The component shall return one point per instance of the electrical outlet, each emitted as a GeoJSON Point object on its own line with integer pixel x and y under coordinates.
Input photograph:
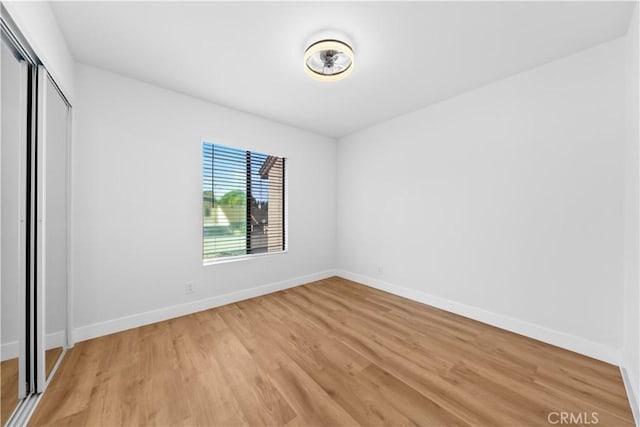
{"type": "Point", "coordinates": [380, 269]}
{"type": "Point", "coordinates": [189, 288]}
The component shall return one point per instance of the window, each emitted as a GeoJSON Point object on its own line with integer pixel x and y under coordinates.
{"type": "Point", "coordinates": [243, 209]}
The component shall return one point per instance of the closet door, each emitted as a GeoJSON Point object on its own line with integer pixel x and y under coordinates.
{"type": "Point", "coordinates": [53, 227]}
{"type": "Point", "coordinates": [13, 91]}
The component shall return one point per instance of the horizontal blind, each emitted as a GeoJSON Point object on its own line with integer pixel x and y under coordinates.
{"type": "Point", "coordinates": [243, 202]}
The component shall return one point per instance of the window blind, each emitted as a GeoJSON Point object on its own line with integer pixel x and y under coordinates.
{"type": "Point", "coordinates": [243, 199]}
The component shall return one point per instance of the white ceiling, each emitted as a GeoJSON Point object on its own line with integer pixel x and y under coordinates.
{"type": "Point", "coordinates": [248, 56]}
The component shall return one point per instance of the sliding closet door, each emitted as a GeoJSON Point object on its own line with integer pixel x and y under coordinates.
{"type": "Point", "coordinates": [53, 201]}
{"type": "Point", "coordinates": [13, 90]}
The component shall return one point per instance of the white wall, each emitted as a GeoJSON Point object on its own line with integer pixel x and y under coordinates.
{"type": "Point", "coordinates": [36, 21]}
{"type": "Point", "coordinates": [631, 340]}
{"type": "Point", "coordinates": [505, 203]}
{"type": "Point", "coordinates": [137, 202]}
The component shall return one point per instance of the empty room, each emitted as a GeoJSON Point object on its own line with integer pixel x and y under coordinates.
{"type": "Point", "coordinates": [320, 213]}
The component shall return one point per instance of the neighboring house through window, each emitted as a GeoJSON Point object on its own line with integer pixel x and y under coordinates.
{"type": "Point", "coordinates": [243, 196]}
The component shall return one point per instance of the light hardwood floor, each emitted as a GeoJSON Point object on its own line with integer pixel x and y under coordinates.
{"type": "Point", "coordinates": [51, 357]}
{"type": "Point", "coordinates": [9, 381]}
{"type": "Point", "coordinates": [9, 389]}
{"type": "Point", "coordinates": [331, 352]}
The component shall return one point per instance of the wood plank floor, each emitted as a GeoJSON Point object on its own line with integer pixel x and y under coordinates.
{"type": "Point", "coordinates": [51, 357]}
{"type": "Point", "coordinates": [9, 381]}
{"type": "Point", "coordinates": [8, 389]}
{"type": "Point", "coordinates": [331, 353]}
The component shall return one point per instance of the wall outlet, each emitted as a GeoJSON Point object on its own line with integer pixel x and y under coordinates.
{"type": "Point", "coordinates": [189, 288]}
{"type": "Point", "coordinates": [380, 269]}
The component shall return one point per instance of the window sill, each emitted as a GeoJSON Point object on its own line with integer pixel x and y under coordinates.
{"type": "Point", "coordinates": [237, 258]}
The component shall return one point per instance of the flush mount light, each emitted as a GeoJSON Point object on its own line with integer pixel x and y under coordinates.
{"type": "Point", "coordinates": [328, 60]}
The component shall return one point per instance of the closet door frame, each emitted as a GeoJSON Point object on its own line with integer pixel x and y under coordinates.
{"type": "Point", "coordinates": [43, 80]}
{"type": "Point", "coordinates": [41, 233]}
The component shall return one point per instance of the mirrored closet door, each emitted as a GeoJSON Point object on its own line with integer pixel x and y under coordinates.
{"type": "Point", "coordinates": [14, 93]}
{"type": "Point", "coordinates": [34, 225]}
{"type": "Point", "coordinates": [52, 223]}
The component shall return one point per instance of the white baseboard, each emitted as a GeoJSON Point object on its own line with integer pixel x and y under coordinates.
{"type": "Point", "coordinates": [11, 349]}
{"type": "Point", "coordinates": [561, 339]}
{"type": "Point", "coordinates": [133, 321]}
{"type": "Point", "coordinates": [632, 394]}
{"type": "Point", "coordinates": [57, 339]}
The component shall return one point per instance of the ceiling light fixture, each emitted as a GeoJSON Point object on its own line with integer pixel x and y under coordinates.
{"type": "Point", "coordinates": [328, 60]}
